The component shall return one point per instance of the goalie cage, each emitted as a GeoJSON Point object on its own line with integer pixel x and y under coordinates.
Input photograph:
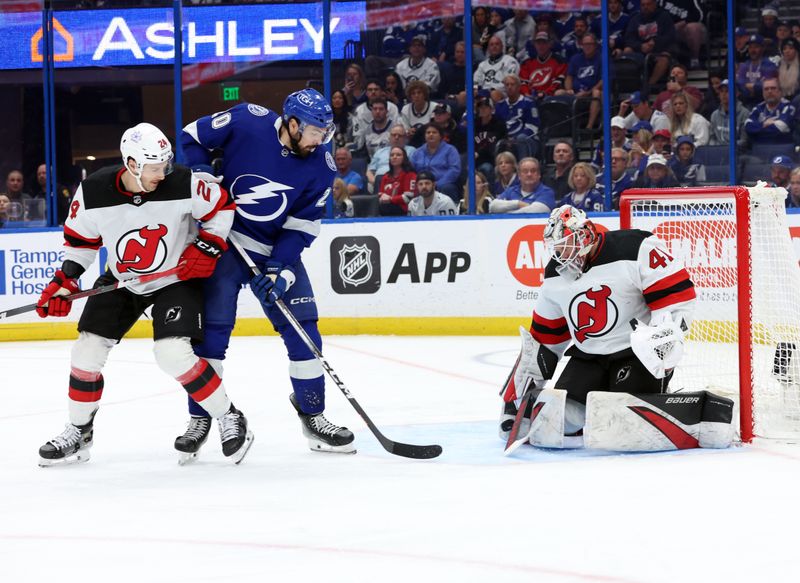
{"type": "Point", "coordinates": [744, 342]}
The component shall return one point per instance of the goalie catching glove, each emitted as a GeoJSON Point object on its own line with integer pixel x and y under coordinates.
{"type": "Point", "coordinates": [200, 258]}
{"type": "Point", "coordinates": [275, 281]}
{"type": "Point", "coordinates": [52, 302]}
{"type": "Point", "coordinates": [659, 345]}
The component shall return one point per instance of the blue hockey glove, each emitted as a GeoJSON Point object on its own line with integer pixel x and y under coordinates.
{"type": "Point", "coordinates": [270, 285]}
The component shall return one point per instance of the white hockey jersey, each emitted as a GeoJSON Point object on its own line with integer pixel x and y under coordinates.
{"type": "Point", "coordinates": [631, 275]}
{"type": "Point", "coordinates": [143, 232]}
{"type": "Point", "coordinates": [426, 71]}
{"type": "Point", "coordinates": [441, 205]}
{"type": "Point", "coordinates": [362, 117]}
{"type": "Point", "coordinates": [491, 72]}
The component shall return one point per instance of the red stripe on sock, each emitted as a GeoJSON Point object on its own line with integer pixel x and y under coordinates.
{"type": "Point", "coordinates": [85, 397]}
{"type": "Point", "coordinates": [208, 389]}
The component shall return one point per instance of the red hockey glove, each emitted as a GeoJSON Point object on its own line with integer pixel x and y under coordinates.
{"type": "Point", "coordinates": [200, 258]}
{"type": "Point", "coordinates": [52, 302]}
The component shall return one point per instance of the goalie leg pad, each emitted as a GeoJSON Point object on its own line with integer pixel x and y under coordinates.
{"type": "Point", "coordinates": [657, 422]}
{"type": "Point", "coordinates": [547, 419]}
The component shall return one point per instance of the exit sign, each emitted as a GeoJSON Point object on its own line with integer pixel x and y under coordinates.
{"type": "Point", "coordinates": [230, 93]}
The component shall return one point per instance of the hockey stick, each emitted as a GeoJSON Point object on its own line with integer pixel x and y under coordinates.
{"type": "Point", "coordinates": [514, 441]}
{"type": "Point", "coordinates": [394, 447]}
{"type": "Point", "coordinates": [96, 290]}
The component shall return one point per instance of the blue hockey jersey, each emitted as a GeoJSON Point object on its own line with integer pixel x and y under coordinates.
{"type": "Point", "coordinates": [280, 196]}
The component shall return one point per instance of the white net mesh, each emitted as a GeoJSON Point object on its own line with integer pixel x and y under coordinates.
{"type": "Point", "coordinates": [702, 231]}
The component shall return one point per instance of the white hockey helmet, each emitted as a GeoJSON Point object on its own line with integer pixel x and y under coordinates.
{"type": "Point", "coordinates": [146, 144]}
{"type": "Point", "coordinates": [569, 237]}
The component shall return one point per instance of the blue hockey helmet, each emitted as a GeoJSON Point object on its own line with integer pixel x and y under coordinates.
{"type": "Point", "coordinates": [310, 108]}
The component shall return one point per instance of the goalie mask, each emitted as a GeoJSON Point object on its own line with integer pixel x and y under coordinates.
{"type": "Point", "coordinates": [569, 237]}
{"type": "Point", "coordinates": [147, 145]}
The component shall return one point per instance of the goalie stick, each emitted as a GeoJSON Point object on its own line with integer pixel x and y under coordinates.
{"type": "Point", "coordinates": [96, 290]}
{"type": "Point", "coordinates": [514, 441]}
{"type": "Point", "coordinates": [393, 447]}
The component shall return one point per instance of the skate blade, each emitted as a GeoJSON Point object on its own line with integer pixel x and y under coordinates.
{"type": "Point", "coordinates": [242, 451]}
{"type": "Point", "coordinates": [77, 458]}
{"type": "Point", "coordinates": [322, 447]}
{"type": "Point", "coordinates": [184, 459]}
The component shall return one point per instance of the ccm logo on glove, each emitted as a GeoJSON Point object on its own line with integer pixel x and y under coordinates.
{"type": "Point", "coordinates": [200, 258]}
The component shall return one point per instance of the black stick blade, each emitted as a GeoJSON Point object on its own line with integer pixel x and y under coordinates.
{"type": "Point", "coordinates": [418, 452]}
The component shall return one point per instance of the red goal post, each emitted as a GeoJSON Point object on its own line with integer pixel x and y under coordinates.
{"type": "Point", "coordinates": [735, 244]}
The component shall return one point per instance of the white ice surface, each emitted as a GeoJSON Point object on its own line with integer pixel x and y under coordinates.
{"type": "Point", "coordinates": [131, 514]}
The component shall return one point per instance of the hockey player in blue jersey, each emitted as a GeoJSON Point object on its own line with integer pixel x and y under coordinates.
{"type": "Point", "coordinates": [280, 177]}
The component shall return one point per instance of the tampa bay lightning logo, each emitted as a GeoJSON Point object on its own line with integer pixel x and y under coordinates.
{"type": "Point", "coordinates": [258, 198]}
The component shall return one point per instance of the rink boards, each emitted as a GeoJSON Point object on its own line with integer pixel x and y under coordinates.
{"type": "Point", "coordinates": [430, 276]}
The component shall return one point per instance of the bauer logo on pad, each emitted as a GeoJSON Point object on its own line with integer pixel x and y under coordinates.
{"type": "Point", "coordinates": [355, 265]}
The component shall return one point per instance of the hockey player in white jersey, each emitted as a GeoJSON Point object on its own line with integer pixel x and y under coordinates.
{"type": "Point", "coordinates": [618, 304]}
{"type": "Point", "coordinates": [430, 201]}
{"type": "Point", "coordinates": [145, 213]}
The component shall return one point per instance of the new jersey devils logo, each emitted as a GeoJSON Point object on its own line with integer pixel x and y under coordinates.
{"type": "Point", "coordinates": [142, 250]}
{"type": "Point", "coordinates": [593, 313]}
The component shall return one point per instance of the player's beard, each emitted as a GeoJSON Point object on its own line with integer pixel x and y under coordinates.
{"type": "Point", "coordinates": [303, 152]}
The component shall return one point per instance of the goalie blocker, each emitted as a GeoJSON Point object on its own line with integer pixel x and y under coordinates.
{"type": "Point", "coordinates": [634, 422]}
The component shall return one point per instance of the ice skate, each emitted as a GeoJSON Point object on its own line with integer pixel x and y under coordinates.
{"type": "Point", "coordinates": [236, 438]}
{"type": "Point", "coordinates": [192, 440]}
{"type": "Point", "coordinates": [70, 447]}
{"type": "Point", "coordinates": [322, 434]}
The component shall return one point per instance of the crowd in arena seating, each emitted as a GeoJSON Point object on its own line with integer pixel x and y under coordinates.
{"type": "Point", "coordinates": [538, 132]}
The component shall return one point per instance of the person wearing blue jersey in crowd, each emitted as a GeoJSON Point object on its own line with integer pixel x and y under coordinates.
{"type": "Point", "coordinates": [280, 176]}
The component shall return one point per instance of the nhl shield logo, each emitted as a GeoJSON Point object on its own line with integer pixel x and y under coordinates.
{"type": "Point", "coordinates": [355, 265]}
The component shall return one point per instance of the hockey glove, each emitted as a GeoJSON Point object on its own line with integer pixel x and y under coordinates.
{"type": "Point", "coordinates": [52, 302]}
{"type": "Point", "coordinates": [200, 258]}
{"type": "Point", "coordinates": [659, 346]}
{"type": "Point", "coordinates": [270, 285]}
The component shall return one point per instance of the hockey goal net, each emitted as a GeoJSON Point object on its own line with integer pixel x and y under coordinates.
{"type": "Point", "coordinates": [744, 341]}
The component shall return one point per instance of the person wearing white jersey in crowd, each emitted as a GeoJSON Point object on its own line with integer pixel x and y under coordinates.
{"type": "Point", "coordinates": [430, 202]}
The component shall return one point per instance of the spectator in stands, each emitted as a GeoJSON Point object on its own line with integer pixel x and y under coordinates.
{"type": "Point", "coordinates": [637, 161]}
{"type": "Point", "coordinates": [362, 116]}
{"type": "Point", "coordinates": [621, 178]}
{"type": "Point", "coordinates": [517, 111]}
{"type": "Point", "coordinates": [342, 205]}
{"type": "Point", "coordinates": [451, 133]}
{"type": "Point", "coordinates": [497, 27]}
{"type": "Point", "coordinates": [751, 74]}
{"type": "Point", "coordinates": [711, 93]}
{"type": "Point", "coordinates": [678, 81]}
{"type": "Point", "coordinates": [519, 29]}
{"type": "Point", "coordinates": [796, 29]}
{"type": "Point", "coordinates": [557, 175]}
{"type": "Point", "coordinates": [656, 175]}
{"type": "Point", "coordinates": [398, 186]}
{"type": "Point", "coordinates": [685, 122]}
{"type": "Point", "coordinates": [617, 23]}
{"type": "Point", "coordinates": [376, 134]}
{"type": "Point", "coordinates": [640, 110]}
{"type": "Point", "coordinates": [793, 199]}
{"type": "Point", "coordinates": [445, 39]}
{"type": "Point", "coordinates": [741, 42]}
{"type": "Point", "coordinates": [379, 163]}
{"type": "Point", "coordinates": [417, 113]}
{"type": "Point", "coordinates": [573, 41]}
{"type": "Point", "coordinates": [351, 178]}
{"type": "Point", "coordinates": [584, 78]}
{"type": "Point", "coordinates": [15, 186]}
{"type": "Point", "coordinates": [783, 32]}
{"type": "Point", "coordinates": [662, 143]}
{"type": "Point", "coordinates": [480, 22]}
{"type": "Point", "coordinates": [341, 119]}
{"type": "Point", "coordinates": [651, 33]}
{"type": "Point", "coordinates": [768, 26]}
{"type": "Point", "coordinates": [355, 85]}
{"type": "Point", "coordinates": [719, 132]}
{"type": "Point", "coordinates": [619, 138]}
{"type": "Point", "coordinates": [780, 171]}
{"type": "Point", "coordinates": [63, 194]}
{"type": "Point", "coordinates": [489, 130]}
{"type": "Point", "coordinates": [429, 201]}
{"type": "Point", "coordinates": [489, 76]}
{"type": "Point", "coordinates": [688, 17]}
{"type": "Point", "coordinates": [483, 196]}
{"type": "Point", "coordinates": [418, 67]}
{"type": "Point", "coordinates": [441, 160]}
{"type": "Point", "coordinates": [543, 74]}
{"type": "Point", "coordinates": [393, 90]}
{"type": "Point", "coordinates": [5, 204]}
{"type": "Point", "coordinates": [683, 166]}
{"type": "Point", "coordinates": [563, 24]}
{"type": "Point", "coordinates": [529, 195]}
{"type": "Point", "coordinates": [454, 77]}
{"type": "Point", "coordinates": [771, 121]}
{"type": "Point", "coordinates": [789, 69]}
{"type": "Point", "coordinates": [505, 172]}
{"type": "Point", "coordinates": [584, 195]}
